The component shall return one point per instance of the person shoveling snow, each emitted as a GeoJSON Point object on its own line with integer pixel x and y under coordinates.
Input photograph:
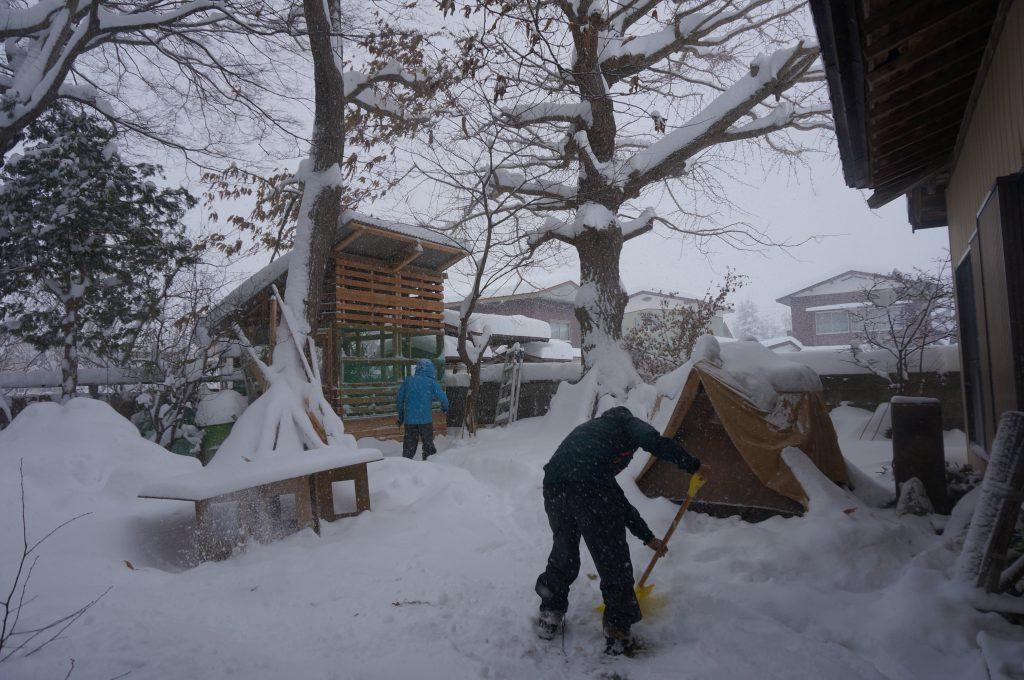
{"type": "Point", "coordinates": [582, 499]}
{"type": "Point", "coordinates": [414, 399]}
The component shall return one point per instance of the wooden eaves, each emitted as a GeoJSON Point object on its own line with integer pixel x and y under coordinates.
{"type": "Point", "coordinates": [903, 76]}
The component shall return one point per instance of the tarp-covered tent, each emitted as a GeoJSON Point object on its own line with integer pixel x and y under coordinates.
{"type": "Point", "coordinates": [737, 407]}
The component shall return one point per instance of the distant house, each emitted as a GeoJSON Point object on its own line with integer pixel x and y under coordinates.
{"type": "Point", "coordinates": [646, 302]}
{"type": "Point", "coordinates": [555, 304]}
{"type": "Point", "coordinates": [832, 311]}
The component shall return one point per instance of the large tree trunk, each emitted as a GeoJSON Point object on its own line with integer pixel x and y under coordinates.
{"type": "Point", "coordinates": [69, 362]}
{"type": "Point", "coordinates": [327, 149]}
{"type": "Point", "coordinates": [601, 301]}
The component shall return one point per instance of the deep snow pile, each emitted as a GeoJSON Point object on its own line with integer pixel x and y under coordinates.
{"type": "Point", "coordinates": [437, 581]}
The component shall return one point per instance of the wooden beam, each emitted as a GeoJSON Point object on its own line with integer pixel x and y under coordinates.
{"type": "Point", "coordinates": [356, 232]}
{"type": "Point", "coordinates": [408, 259]}
{"type": "Point", "coordinates": [940, 44]}
{"type": "Point", "coordinates": [921, 19]}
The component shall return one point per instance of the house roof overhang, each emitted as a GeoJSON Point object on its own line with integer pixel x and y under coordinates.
{"type": "Point", "coordinates": [903, 77]}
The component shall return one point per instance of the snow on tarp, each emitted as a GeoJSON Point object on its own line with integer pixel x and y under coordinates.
{"type": "Point", "coordinates": [552, 350]}
{"type": "Point", "coordinates": [236, 475]}
{"type": "Point", "coordinates": [512, 325]}
{"type": "Point", "coordinates": [529, 372]}
{"type": "Point", "coordinates": [217, 408]}
{"type": "Point", "coordinates": [751, 369]}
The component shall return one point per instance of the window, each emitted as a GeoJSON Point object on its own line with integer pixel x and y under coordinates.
{"type": "Point", "coordinates": [831, 322]}
{"type": "Point", "coordinates": [878, 319]}
{"type": "Point", "coordinates": [560, 330]}
{"type": "Point", "coordinates": [374, 361]}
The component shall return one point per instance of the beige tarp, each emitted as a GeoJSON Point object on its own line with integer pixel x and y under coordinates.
{"type": "Point", "coordinates": [742, 444]}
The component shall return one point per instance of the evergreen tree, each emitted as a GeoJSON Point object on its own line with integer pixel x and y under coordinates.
{"type": "Point", "coordinates": [89, 242]}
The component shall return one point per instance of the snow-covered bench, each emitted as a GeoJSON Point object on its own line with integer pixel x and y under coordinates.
{"type": "Point", "coordinates": [253, 483]}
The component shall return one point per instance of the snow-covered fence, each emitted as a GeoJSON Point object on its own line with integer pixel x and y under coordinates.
{"type": "Point", "coordinates": [982, 559]}
{"type": "Point", "coordinates": [539, 383]}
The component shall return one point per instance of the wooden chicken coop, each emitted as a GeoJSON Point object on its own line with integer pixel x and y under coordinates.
{"type": "Point", "coordinates": [381, 312]}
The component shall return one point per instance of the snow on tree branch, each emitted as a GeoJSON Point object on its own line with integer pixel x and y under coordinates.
{"type": "Point", "coordinates": [591, 216]}
{"type": "Point", "coordinates": [43, 41]}
{"type": "Point", "coordinates": [548, 112]}
{"type": "Point", "coordinates": [769, 74]}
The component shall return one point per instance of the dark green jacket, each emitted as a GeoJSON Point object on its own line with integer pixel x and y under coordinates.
{"type": "Point", "coordinates": [594, 452]}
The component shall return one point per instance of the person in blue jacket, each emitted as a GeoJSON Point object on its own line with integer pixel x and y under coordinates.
{"type": "Point", "coordinates": [414, 400]}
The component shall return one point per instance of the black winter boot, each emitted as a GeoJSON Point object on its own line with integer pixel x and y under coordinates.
{"type": "Point", "coordinates": [619, 642]}
{"type": "Point", "coordinates": [548, 624]}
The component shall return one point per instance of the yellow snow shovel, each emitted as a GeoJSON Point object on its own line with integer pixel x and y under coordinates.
{"type": "Point", "coordinates": [643, 591]}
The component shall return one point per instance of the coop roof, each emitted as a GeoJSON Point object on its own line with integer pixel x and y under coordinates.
{"type": "Point", "coordinates": [401, 245]}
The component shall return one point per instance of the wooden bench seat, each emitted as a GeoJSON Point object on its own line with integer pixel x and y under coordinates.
{"type": "Point", "coordinates": [257, 484]}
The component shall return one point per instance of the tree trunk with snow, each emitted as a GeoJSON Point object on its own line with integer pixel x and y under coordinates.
{"type": "Point", "coordinates": [601, 301]}
{"type": "Point", "coordinates": [69, 361]}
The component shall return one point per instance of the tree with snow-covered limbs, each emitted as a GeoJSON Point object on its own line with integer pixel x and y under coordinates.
{"type": "Point", "coordinates": [90, 242]}
{"type": "Point", "coordinates": [390, 89]}
{"type": "Point", "coordinates": [615, 101]}
{"type": "Point", "coordinates": [153, 67]}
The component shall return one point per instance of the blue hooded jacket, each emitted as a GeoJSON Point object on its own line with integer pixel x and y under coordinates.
{"type": "Point", "coordinates": [417, 392]}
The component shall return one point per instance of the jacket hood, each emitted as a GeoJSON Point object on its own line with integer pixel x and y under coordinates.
{"type": "Point", "coordinates": [425, 367]}
{"type": "Point", "coordinates": [617, 413]}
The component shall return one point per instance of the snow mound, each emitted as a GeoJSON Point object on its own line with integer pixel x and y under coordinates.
{"type": "Point", "coordinates": [217, 408]}
{"type": "Point", "coordinates": [76, 452]}
{"type": "Point", "coordinates": [748, 367]}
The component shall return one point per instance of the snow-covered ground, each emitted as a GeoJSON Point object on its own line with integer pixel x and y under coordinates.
{"type": "Point", "coordinates": [437, 581]}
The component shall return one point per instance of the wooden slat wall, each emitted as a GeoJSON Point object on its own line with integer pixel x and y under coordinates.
{"type": "Point", "coordinates": [993, 145]}
{"type": "Point", "coordinates": [368, 295]}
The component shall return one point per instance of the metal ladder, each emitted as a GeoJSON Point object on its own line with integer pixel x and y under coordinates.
{"type": "Point", "coordinates": [507, 410]}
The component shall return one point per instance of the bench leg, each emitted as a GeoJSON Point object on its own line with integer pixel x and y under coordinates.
{"type": "Point", "coordinates": [362, 483]}
{"type": "Point", "coordinates": [305, 508]}
{"type": "Point", "coordinates": [325, 496]}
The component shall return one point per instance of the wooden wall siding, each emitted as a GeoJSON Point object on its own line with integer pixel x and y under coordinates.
{"type": "Point", "coordinates": [371, 295]}
{"type": "Point", "coordinates": [994, 142]}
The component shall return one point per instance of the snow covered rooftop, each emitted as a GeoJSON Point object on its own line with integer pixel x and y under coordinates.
{"type": "Point", "coordinates": [506, 326]}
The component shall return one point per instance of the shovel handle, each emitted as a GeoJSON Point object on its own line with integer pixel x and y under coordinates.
{"type": "Point", "coordinates": [696, 481]}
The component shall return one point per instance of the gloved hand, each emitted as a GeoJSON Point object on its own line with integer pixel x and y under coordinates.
{"type": "Point", "coordinates": [658, 546]}
{"type": "Point", "coordinates": [399, 421]}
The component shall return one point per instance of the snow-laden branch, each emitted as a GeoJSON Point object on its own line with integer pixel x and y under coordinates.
{"type": "Point", "coordinates": [515, 183]}
{"type": "Point", "coordinates": [592, 216]}
{"type": "Point", "coordinates": [361, 88]}
{"type": "Point", "coordinates": [548, 112]}
{"type": "Point", "coordinates": [625, 56]}
{"type": "Point", "coordinates": [43, 41]}
{"type": "Point", "coordinates": [769, 74]}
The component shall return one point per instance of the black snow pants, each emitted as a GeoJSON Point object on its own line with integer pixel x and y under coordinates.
{"type": "Point", "coordinates": [594, 513]}
{"type": "Point", "coordinates": [414, 433]}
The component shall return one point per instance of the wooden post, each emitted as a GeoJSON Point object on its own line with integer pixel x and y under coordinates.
{"type": "Point", "coordinates": [362, 483]}
{"type": "Point", "coordinates": [917, 447]}
{"type": "Point", "coordinates": [272, 331]}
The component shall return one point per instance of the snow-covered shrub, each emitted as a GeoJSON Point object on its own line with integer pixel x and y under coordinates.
{"type": "Point", "coordinates": [662, 340]}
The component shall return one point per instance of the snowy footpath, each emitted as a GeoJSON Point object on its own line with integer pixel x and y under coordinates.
{"type": "Point", "coordinates": [437, 581]}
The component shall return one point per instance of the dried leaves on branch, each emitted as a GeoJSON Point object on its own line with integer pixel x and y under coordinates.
{"type": "Point", "coordinates": [663, 339]}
